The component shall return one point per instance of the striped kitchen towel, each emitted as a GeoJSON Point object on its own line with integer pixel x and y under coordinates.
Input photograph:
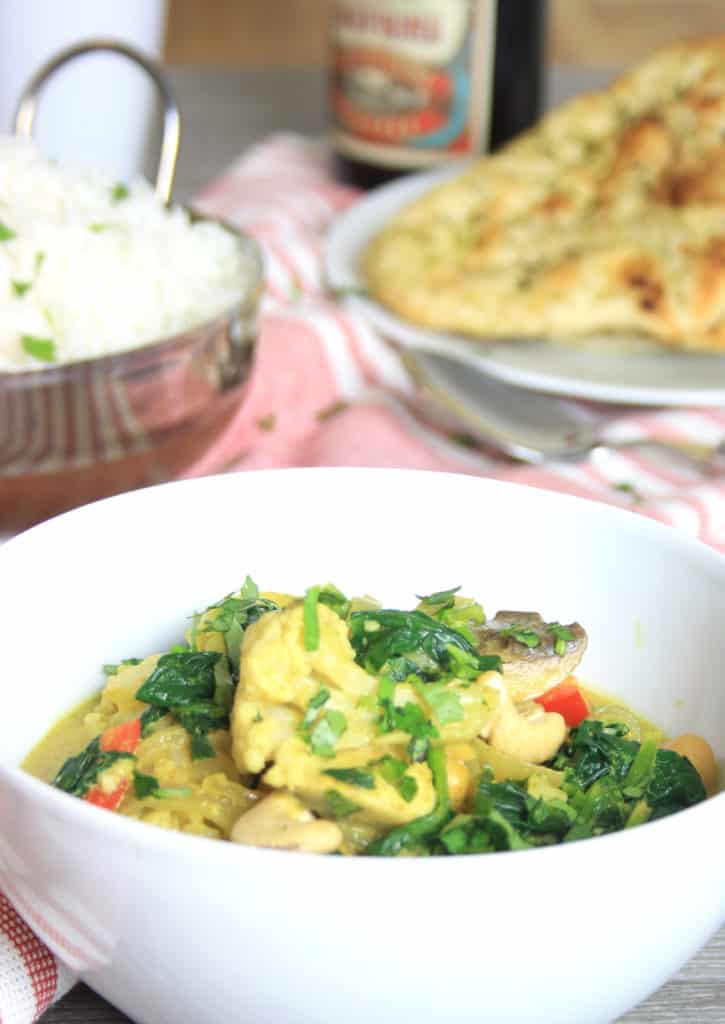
{"type": "Point", "coordinates": [325, 390]}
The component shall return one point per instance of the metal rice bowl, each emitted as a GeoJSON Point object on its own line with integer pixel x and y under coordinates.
{"type": "Point", "coordinates": [80, 431]}
{"type": "Point", "coordinates": [76, 432]}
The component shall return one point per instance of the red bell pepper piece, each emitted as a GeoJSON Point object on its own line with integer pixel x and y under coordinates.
{"type": "Point", "coordinates": [122, 738]}
{"type": "Point", "coordinates": [109, 801]}
{"type": "Point", "coordinates": [567, 699]}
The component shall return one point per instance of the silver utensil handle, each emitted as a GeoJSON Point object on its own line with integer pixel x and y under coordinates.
{"type": "Point", "coordinates": [28, 103]}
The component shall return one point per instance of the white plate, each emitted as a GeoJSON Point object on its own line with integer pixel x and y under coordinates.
{"type": "Point", "coordinates": [644, 374]}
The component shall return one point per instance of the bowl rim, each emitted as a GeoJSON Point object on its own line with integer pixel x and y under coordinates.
{"type": "Point", "coordinates": [140, 356]}
{"type": "Point", "coordinates": [143, 836]}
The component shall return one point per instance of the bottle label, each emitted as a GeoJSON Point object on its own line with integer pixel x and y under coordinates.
{"type": "Point", "coordinates": [412, 79]}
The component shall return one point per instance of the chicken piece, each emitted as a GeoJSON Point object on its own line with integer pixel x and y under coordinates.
{"type": "Point", "coordinates": [378, 803]}
{"type": "Point", "coordinates": [275, 726]}
{"type": "Point", "coordinates": [536, 655]}
{"type": "Point", "coordinates": [278, 678]}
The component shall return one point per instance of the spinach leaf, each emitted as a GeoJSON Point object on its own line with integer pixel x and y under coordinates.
{"type": "Point", "coordinates": [79, 773]}
{"type": "Point", "coordinates": [338, 805]}
{"type": "Point", "coordinates": [352, 776]}
{"type": "Point", "coordinates": [144, 785]}
{"type": "Point", "coordinates": [199, 719]}
{"type": "Point", "coordinates": [425, 646]}
{"type": "Point", "coordinates": [185, 684]}
{"type": "Point", "coordinates": [675, 784]}
{"type": "Point", "coordinates": [614, 783]}
{"type": "Point", "coordinates": [148, 717]}
{"type": "Point", "coordinates": [180, 679]}
{"type": "Point", "coordinates": [595, 749]}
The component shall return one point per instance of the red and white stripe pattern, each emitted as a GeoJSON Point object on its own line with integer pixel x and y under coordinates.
{"type": "Point", "coordinates": [325, 390]}
{"type": "Point", "coordinates": [30, 976]}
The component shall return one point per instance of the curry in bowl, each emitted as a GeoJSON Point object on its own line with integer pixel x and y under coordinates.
{"type": "Point", "coordinates": [333, 725]}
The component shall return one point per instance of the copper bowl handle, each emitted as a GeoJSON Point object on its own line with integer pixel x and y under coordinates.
{"type": "Point", "coordinates": [28, 104]}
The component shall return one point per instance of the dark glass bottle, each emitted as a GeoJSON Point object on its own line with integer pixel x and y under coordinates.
{"type": "Point", "coordinates": [417, 84]}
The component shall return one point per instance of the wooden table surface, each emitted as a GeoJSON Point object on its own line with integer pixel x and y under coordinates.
{"type": "Point", "coordinates": [224, 112]}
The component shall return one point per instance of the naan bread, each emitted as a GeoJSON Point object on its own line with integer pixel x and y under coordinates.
{"type": "Point", "coordinates": [607, 217]}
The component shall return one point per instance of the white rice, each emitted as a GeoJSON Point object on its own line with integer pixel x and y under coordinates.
{"type": "Point", "coordinates": [86, 274]}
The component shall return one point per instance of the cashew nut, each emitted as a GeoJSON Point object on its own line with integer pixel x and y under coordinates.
{"type": "Point", "coordinates": [281, 822]}
{"type": "Point", "coordinates": [534, 738]}
{"type": "Point", "coordinates": [700, 755]}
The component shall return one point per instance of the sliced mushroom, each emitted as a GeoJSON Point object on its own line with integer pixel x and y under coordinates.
{"type": "Point", "coordinates": [536, 655]}
{"type": "Point", "coordinates": [279, 821]}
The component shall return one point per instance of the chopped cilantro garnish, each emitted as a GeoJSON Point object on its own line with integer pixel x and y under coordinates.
{"type": "Point", "coordinates": [444, 703]}
{"type": "Point", "coordinates": [148, 785]}
{"type": "Point", "coordinates": [561, 637]}
{"type": "Point", "coordinates": [411, 719]}
{"type": "Point", "coordinates": [6, 233]}
{"type": "Point", "coordinates": [119, 192]}
{"type": "Point", "coordinates": [310, 619]}
{"type": "Point", "coordinates": [313, 706]}
{"type": "Point", "coordinates": [326, 732]}
{"type": "Point", "coordinates": [521, 635]}
{"type": "Point", "coordinates": [21, 287]}
{"type": "Point", "coordinates": [408, 788]}
{"type": "Point", "coordinates": [420, 831]}
{"type": "Point", "coordinates": [339, 806]}
{"type": "Point", "coordinates": [39, 348]}
{"type": "Point", "coordinates": [391, 768]}
{"type": "Point", "coordinates": [444, 597]}
{"type": "Point", "coordinates": [393, 771]}
{"type": "Point", "coordinates": [111, 670]}
{"type": "Point", "coordinates": [335, 600]}
{"type": "Point", "coordinates": [322, 731]}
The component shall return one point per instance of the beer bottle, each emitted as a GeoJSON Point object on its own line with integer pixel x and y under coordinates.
{"type": "Point", "coordinates": [416, 83]}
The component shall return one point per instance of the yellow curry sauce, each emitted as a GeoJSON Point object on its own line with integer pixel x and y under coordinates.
{"type": "Point", "coordinates": [363, 729]}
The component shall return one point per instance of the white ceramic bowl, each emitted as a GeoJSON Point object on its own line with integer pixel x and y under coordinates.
{"type": "Point", "coordinates": [173, 928]}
